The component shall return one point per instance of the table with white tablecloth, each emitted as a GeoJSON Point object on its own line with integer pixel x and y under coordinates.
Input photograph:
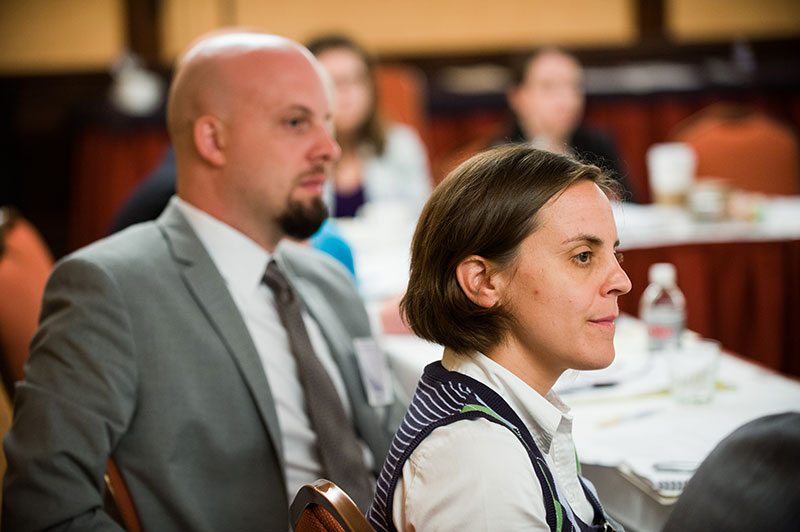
{"type": "Point", "coordinates": [626, 421]}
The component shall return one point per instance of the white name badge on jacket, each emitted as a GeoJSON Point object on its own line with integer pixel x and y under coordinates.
{"type": "Point", "coordinates": [375, 373]}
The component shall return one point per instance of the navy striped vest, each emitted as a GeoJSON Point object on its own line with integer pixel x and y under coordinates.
{"type": "Point", "coordinates": [443, 397]}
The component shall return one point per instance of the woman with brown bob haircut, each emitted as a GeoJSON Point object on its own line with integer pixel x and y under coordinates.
{"type": "Point", "coordinates": [514, 270]}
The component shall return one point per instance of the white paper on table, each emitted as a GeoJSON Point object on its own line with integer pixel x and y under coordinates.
{"type": "Point", "coordinates": [613, 426]}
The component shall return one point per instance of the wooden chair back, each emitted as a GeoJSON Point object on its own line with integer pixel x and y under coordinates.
{"type": "Point", "coordinates": [324, 507]}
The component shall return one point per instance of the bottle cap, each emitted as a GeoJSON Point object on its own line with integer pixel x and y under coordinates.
{"type": "Point", "coordinates": [662, 273]}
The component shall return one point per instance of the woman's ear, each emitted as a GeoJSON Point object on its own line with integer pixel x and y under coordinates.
{"type": "Point", "coordinates": [209, 139]}
{"type": "Point", "coordinates": [513, 96]}
{"type": "Point", "coordinates": [479, 281]}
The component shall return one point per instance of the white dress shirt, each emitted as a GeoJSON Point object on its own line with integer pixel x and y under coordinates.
{"type": "Point", "coordinates": [242, 264]}
{"type": "Point", "coordinates": [476, 475]}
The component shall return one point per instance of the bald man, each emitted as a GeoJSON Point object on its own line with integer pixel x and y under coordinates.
{"type": "Point", "coordinates": [161, 346]}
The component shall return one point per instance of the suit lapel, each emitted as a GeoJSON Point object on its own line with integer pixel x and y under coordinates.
{"type": "Point", "coordinates": [208, 288]}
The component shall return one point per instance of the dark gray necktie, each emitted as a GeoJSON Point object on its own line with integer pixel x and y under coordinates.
{"type": "Point", "coordinates": [339, 450]}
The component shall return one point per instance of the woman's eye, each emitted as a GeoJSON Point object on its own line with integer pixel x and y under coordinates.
{"type": "Point", "coordinates": [583, 258]}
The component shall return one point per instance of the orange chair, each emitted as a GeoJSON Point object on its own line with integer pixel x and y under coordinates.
{"type": "Point", "coordinates": [324, 507]}
{"type": "Point", "coordinates": [402, 95]}
{"type": "Point", "coordinates": [750, 149]}
{"type": "Point", "coordinates": [25, 264]}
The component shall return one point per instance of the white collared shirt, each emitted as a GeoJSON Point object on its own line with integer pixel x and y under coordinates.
{"type": "Point", "coordinates": [477, 475]}
{"type": "Point", "coordinates": [242, 264]}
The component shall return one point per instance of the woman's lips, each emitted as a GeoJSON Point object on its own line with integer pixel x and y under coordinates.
{"type": "Point", "coordinates": [607, 321]}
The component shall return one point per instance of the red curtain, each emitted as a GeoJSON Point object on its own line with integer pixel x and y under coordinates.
{"type": "Point", "coordinates": [108, 165]}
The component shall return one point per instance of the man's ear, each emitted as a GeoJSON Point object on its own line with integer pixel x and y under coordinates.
{"type": "Point", "coordinates": [209, 139]}
{"type": "Point", "coordinates": [479, 281]}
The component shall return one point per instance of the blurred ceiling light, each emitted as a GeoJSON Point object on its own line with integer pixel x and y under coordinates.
{"type": "Point", "coordinates": [135, 90]}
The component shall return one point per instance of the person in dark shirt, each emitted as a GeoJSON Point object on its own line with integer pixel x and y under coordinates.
{"type": "Point", "coordinates": [547, 98]}
{"type": "Point", "coordinates": [748, 482]}
{"type": "Point", "coordinates": [150, 198]}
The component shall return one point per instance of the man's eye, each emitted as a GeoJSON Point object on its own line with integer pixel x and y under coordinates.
{"type": "Point", "coordinates": [620, 257]}
{"type": "Point", "coordinates": [297, 122]}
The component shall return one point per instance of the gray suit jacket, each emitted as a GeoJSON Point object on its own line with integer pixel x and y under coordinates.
{"type": "Point", "coordinates": [142, 354]}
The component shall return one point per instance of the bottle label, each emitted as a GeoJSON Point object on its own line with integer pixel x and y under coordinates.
{"type": "Point", "coordinates": [664, 328]}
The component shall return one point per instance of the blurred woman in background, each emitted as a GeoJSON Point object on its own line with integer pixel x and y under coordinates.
{"type": "Point", "coordinates": [380, 162]}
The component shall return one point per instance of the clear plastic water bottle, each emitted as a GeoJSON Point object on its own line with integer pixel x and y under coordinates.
{"type": "Point", "coordinates": [663, 308]}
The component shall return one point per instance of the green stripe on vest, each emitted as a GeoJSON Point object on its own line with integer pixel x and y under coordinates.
{"type": "Point", "coordinates": [489, 412]}
{"type": "Point", "coordinates": [559, 511]}
{"type": "Point", "coordinates": [481, 408]}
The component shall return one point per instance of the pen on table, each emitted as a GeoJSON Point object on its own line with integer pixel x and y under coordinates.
{"type": "Point", "coordinates": [584, 387]}
{"type": "Point", "coordinates": [616, 420]}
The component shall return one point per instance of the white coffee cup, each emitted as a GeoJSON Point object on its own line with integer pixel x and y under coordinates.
{"type": "Point", "coordinates": [671, 169]}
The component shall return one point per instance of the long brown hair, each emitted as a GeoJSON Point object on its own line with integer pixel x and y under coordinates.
{"type": "Point", "coordinates": [373, 130]}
